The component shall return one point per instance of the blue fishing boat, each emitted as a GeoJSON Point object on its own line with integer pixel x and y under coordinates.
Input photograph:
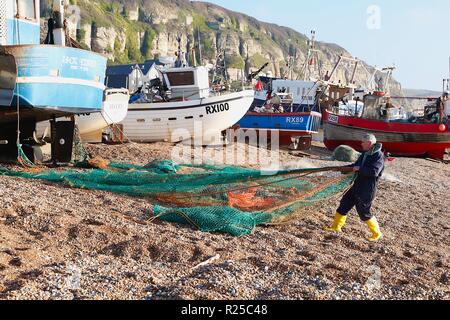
{"type": "Point", "coordinates": [288, 125]}
{"type": "Point", "coordinates": [289, 106]}
{"type": "Point", "coordinates": [291, 118]}
{"type": "Point", "coordinates": [42, 81]}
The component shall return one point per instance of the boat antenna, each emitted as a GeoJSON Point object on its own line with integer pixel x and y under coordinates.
{"type": "Point", "coordinates": [199, 46]}
{"type": "Point", "coordinates": [448, 80]}
{"type": "Point", "coordinates": [181, 61]}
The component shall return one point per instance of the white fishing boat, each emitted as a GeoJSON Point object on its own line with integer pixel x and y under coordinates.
{"type": "Point", "coordinates": [181, 107]}
{"type": "Point", "coordinates": [91, 125]}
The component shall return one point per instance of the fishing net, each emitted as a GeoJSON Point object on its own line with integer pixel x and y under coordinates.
{"type": "Point", "coordinates": [212, 198]}
{"type": "Point", "coordinates": [346, 154]}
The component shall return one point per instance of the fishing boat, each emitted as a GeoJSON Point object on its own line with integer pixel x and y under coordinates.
{"type": "Point", "coordinates": [180, 106]}
{"type": "Point", "coordinates": [400, 134]}
{"type": "Point", "coordinates": [91, 125]}
{"type": "Point", "coordinates": [42, 82]}
{"type": "Point", "coordinates": [279, 115]}
{"type": "Point", "coordinates": [296, 118]}
{"type": "Point", "coordinates": [191, 110]}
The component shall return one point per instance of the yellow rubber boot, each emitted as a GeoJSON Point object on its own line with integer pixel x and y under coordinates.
{"type": "Point", "coordinates": [339, 222]}
{"type": "Point", "coordinates": [375, 228]}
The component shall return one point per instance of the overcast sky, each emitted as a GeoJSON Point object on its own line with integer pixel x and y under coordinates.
{"type": "Point", "coordinates": [412, 34]}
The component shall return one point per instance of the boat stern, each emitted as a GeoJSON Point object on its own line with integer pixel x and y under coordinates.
{"type": "Point", "coordinates": [57, 79]}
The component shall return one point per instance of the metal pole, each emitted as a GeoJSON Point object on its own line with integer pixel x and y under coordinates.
{"type": "Point", "coordinates": [335, 67]}
{"type": "Point", "coordinates": [354, 72]}
{"type": "Point", "coordinates": [200, 47]}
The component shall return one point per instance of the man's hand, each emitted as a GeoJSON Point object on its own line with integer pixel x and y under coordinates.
{"type": "Point", "coordinates": [345, 170]}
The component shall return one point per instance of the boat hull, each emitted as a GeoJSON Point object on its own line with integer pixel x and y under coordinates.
{"type": "Point", "coordinates": [202, 119]}
{"type": "Point", "coordinates": [401, 139]}
{"type": "Point", "coordinates": [287, 125]}
{"type": "Point", "coordinates": [53, 80]}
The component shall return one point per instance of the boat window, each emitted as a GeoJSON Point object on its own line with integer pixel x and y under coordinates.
{"type": "Point", "coordinates": [181, 78]}
{"type": "Point", "coordinates": [27, 9]}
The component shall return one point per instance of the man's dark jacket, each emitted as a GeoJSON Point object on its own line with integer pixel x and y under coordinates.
{"type": "Point", "coordinates": [371, 167]}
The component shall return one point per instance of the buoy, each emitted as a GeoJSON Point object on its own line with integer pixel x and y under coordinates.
{"type": "Point", "coordinates": [442, 127]}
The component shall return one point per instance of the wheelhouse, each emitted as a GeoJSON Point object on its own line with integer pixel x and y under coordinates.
{"type": "Point", "coordinates": [187, 83]}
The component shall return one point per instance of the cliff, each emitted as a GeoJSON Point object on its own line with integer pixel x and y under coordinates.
{"type": "Point", "coordinates": [135, 30]}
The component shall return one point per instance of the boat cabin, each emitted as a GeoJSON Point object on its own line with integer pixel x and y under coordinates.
{"type": "Point", "coordinates": [187, 83]}
{"type": "Point", "coordinates": [378, 106]}
{"type": "Point", "coordinates": [303, 92]}
{"type": "Point", "coordinates": [265, 87]}
{"type": "Point", "coordinates": [19, 22]}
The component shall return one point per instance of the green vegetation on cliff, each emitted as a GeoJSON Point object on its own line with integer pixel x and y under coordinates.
{"type": "Point", "coordinates": [131, 31]}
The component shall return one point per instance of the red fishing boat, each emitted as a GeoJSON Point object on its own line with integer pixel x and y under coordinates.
{"type": "Point", "coordinates": [401, 135]}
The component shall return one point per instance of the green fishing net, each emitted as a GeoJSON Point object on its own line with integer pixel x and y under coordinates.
{"type": "Point", "coordinates": [212, 198]}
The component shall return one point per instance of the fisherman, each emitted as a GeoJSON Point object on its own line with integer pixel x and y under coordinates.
{"type": "Point", "coordinates": [440, 106]}
{"type": "Point", "coordinates": [369, 168]}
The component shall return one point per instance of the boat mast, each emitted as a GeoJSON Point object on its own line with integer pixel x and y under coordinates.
{"type": "Point", "coordinates": [354, 72]}
{"type": "Point", "coordinates": [447, 87]}
{"type": "Point", "coordinates": [389, 71]}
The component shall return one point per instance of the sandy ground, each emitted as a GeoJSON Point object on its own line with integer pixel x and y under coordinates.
{"type": "Point", "coordinates": [63, 243]}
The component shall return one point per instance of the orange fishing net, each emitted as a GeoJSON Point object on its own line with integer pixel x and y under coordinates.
{"type": "Point", "coordinates": [248, 200]}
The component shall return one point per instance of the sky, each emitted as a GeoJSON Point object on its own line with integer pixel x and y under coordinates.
{"type": "Point", "coordinates": [413, 35]}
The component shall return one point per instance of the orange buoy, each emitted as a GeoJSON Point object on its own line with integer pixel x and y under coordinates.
{"type": "Point", "coordinates": [442, 127]}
